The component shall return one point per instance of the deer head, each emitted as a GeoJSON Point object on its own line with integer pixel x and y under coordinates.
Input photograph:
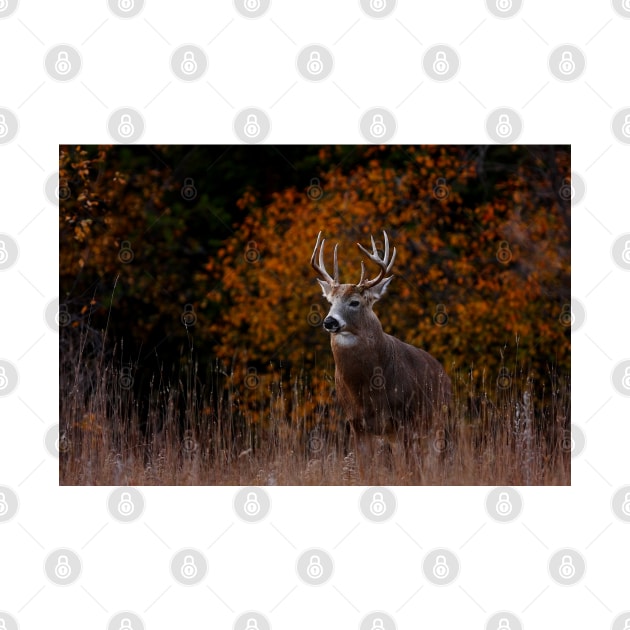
{"type": "Point", "coordinates": [351, 315]}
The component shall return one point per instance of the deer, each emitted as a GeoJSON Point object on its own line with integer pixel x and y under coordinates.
{"type": "Point", "coordinates": [386, 388]}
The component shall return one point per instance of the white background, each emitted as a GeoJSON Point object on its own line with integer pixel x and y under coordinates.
{"type": "Point", "coordinates": [252, 63]}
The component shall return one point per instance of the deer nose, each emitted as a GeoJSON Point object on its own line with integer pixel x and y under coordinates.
{"type": "Point", "coordinates": [331, 324]}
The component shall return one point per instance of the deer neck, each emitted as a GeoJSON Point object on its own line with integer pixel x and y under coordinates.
{"type": "Point", "coordinates": [357, 357]}
{"type": "Point", "coordinates": [367, 344]}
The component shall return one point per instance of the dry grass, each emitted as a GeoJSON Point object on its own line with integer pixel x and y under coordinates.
{"type": "Point", "coordinates": [198, 431]}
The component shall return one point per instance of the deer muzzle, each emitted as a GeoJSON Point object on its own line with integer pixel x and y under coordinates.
{"type": "Point", "coordinates": [331, 324]}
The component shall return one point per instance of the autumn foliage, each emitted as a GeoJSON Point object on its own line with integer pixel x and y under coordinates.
{"type": "Point", "coordinates": [482, 273]}
{"type": "Point", "coordinates": [482, 287]}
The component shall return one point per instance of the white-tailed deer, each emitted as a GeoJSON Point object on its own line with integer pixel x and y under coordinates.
{"type": "Point", "coordinates": [385, 387]}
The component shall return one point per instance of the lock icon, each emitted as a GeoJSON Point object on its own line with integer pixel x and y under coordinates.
{"type": "Point", "coordinates": [4, 506]}
{"type": "Point", "coordinates": [252, 5]}
{"type": "Point", "coordinates": [440, 568]}
{"type": "Point", "coordinates": [567, 318]}
{"type": "Point", "coordinates": [625, 506]}
{"type": "Point", "coordinates": [440, 64]}
{"type": "Point", "coordinates": [251, 379]}
{"type": "Point", "coordinates": [567, 191]}
{"type": "Point", "coordinates": [625, 381]}
{"type": "Point", "coordinates": [252, 253]}
{"type": "Point", "coordinates": [626, 625]}
{"type": "Point", "coordinates": [504, 505]}
{"type": "Point", "coordinates": [378, 624]}
{"type": "Point", "coordinates": [188, 316]}
{"type": "Point", "coordinates": [567, 569]}
{"type": "Point", "coordinates": [126, 378]}
{"type": "Point", "coordinates": [377, 505]}
{"type": "Point", "coordinates": [4, 254]}
{"type": "Point", "coordinates": [504, 253]}
{"type": "Point", "coordinates": [315, 190]}
{"type": "Point", "coordinates": [625, 129]}
{"type": "Point", "coordinates": [568, 442]}
{"type": "Point", "coordinates": [504, 127]}
{"type": "Point", "coordinates": [252, 624]}
{"type": "Point", "coordinates": [125, 254]}
{"type": "Point", "coordinates": [189, 65]}
{"type": "Point", "coordinates": [62, 65]}
{"type": "Point", "coordinates": [315, 569]}
{"type": "Point", "coordinates": [378, 5]}
{"type": "Point", "coordinates": [440, 443]}
{"type": "Point", "coordinates": [4, 381]}
{"type": "Point", "coordinates": [625, 254]}
{"type": "Point", "coordinates": [378, 379]}
{"type": "Point", "coordinates": [4, 129]}
{"type": "Point", "coordinates": [314, 64]}
{"type": "Point", "coordinates": [125, 505]}
{"type": "Point", "coordinates": [440, 190]}
{"type": "Point", "coordinates": [377, 128]}
{"type": "Point", "coordinates": [125, 5]}
{"type": "Point", "coordinates": [62, 191]}
{"type": "Point", "coordinates": [252, 128]}
{"type": "Point", "coordinates": [314, 317]}
{"type": "Point", "coordinates": [125, 624]}
{"type": "Point", "coordinates": [62, 568]}
{"type": "Point", "coordinates": [567, 65]}
{"type": "Point", "coordinates": [189, 191]}
{"type": "Point", "coordinates": [504, 624]}
{"type": "Point", "coordinates": [252, 505]}
{"type": "Point", "coordinates": [504, 380]}
{"type": "Point", "coordinates": [441, 316]}
{"type": "Point", "coordinates": [4, 5]}
{"type": "Point", "coordinates": [504, 5]}
{"type": "Point", "coordinates": [189, 568]}
{"type": "Point", "coordinates": [125, 127]}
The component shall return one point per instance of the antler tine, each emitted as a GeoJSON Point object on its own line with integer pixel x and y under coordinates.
{"type": "Point", "coordinates": [385, 264]}
{"type": "Point", "coordinates": [386, 256]}
{"type": "Point", "coordinates": [362, 274]}
{"type": "Point", "coordinates": [321, 256]}
{"type": "Point", "coordinates": [321, 267]}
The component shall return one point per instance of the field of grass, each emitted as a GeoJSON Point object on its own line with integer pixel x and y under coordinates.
{"type": "Point", "coordinates": [200, 430]}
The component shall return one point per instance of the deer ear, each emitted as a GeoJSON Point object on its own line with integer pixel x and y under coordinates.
{"type": "Point", "coordinates": [378, 291]}
{"type": "Point", "coordinates": [326, 288]}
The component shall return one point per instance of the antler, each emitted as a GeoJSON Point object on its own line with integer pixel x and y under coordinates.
{"type": "Point", "coordinates": [384, 263]}
{"type": "Point", "coordinates": [321, 267]}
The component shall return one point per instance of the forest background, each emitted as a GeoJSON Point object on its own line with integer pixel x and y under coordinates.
{"type": "Point", "coordinates": [182, 257]}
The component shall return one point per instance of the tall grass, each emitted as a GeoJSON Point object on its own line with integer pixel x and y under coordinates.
{"type": "Point", "coordinates": [201, 429]}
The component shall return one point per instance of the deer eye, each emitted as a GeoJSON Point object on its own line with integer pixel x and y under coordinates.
{"type": "Point", "coordinates": [354, 303]}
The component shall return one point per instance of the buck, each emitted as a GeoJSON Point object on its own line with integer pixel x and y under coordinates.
{"type": "Point", "coordinates": [385, 386]}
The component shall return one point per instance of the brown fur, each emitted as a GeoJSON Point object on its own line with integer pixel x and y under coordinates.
{"type": "Point", "coordinates": [385, 386]}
